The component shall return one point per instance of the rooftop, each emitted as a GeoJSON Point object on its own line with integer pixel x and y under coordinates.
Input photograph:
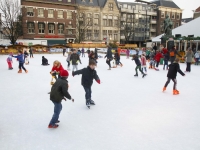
{"type": "Point", "coordinates": [165, 3]}
{"type": "Point", "coordinates": [198, 9]}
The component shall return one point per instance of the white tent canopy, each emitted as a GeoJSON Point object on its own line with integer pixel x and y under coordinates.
{"type": "Point", "coordinates": [190, 28]}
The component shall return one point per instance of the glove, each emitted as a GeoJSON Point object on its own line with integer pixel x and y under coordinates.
{"type": "Point", "coordinates": [72, 99]}
{"type": "Point", "coordinates": [73, 73]}
{"type": "Point", "coordinates": [98, 81]}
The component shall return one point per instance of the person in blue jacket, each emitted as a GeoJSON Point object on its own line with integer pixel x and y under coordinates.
{"type": "Point", "coordinates": [20, 58]}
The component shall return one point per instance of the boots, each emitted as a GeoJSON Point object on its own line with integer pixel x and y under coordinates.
{"type": "Point", "coordinates": [136, 75]}
{"type": "Point", "coordinates": [175, 92]}
{"type": "Point", "coordinates": [20, 71]}
{"type": "Point", "coordinates": [53, 126]}
{"type": "Point", "coordinates": [92, 102]}
{"type": "Point", "coordinates": [26, 71]}
{"type": "Point", "coordinates": [164, 89]}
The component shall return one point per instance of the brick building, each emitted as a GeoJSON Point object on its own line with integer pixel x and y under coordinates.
{"type": "Point", "coordinates": [197, 13]}
{"type": "Point", "coordinates": [52, 20]}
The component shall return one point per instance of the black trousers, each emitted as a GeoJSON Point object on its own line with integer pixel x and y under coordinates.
{"type": "Point", "coordinates": [188, 68]}
{"type": "Point", "coordinates": [108, 62]}
{"type": "Point", "coordinates": [157, 63]}
{"type": "Point", "coordinates": [31, 55]}
{"type": "Point", "coordinates": [168, 81]}
{"type": "Point", "coordinates": [21, 66]}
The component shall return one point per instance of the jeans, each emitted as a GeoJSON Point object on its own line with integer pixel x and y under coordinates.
{"type": "Point", "coordinates": [138, 67]}
{"type": "Point", "coordinates": [144, 68]}
{"type": "Point", "coordinates": [57, 110]}
{"type": "Point", "coordinates": [165, 64]}
{"type": "Point", "coordinates": [21, 66]}
{"type": "Point", "coordinates": [108, 62]}
{"type": "Point", "coordinates": [157, 63]}
{"type": "Point", "coordinates": [88, 93]}
{"type": "Point", "coordinates": [68, 64]}
{"type": "Point", "coordinates": [75, 67]}
{"type": "Point", "coordinates": [188, 68]}
{"type": "Point", "coordinates": [168, 81]}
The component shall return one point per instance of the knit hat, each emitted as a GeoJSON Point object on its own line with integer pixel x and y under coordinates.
{"type": "Point", "coordinates": [64, 73]}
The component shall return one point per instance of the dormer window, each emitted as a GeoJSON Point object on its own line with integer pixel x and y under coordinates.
{"type": "Point", "coordinates": [110, 6]}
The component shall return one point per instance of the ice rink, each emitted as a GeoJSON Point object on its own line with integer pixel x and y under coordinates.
{"type": "Point", "coordinates": [130, 113]}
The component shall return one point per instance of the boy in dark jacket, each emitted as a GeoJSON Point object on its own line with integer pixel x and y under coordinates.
{"type": "Point", "coordinates": [88, 74]}
{"type": "Point", "coordinates": [172, 73]}
{"type": "Point", "coordinates": [20, 58]}
{"type": "Point", "coordinates": [59, 91]}
{"type": "Point", "coordinates": [75, 58]}
{"type": "Point", "coordinates": [138, 66]}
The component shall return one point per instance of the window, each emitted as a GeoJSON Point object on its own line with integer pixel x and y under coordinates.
{"type": "Point", "coordinates": [60, 14]}
{"type": "Point", "coordinates": [177, 24]}
{"type": "Point", "coordinates": [89, 21]}
{"type": "Point", "coordinates": [70, 31]}
{"type": "Point", "coordinates": [50, 13]}
{"type": "Point", "coordinates": [110, 6]}
{"type": "Point", "coordinates": [110, 34]}
{"type": "Point", "coordinates": [104, 22]}
{"type": "Point", "coordinates": [105, 34]}
{"type": "Point", "coordinates": [31, 27]}
{"type": "Point", "coordinates": [89, 34]}
{"type": "Point", "coordinates": [162, 14]}
{"type": "Point", "coordinates": [129, 6]}
{"type": "Point", "coordinates": [41, 28]}
{"type": "Point", "coordinates": [51, 28]}
{"type": "Point", "coordinates": [96, 16]}
{"type": "Point", "coordinates": [177, 16]}
{"type": "Point", "coordinates": [96, 34]}
{"type": "Point", "coordinates": [69, 15]}
{"type": "Point", "coordinates": [116, 23]}
{"type": "Point", "coordinates": [110, 22]}
{"type": "Point", "coordinates": [115, 35]}
{"type": "Point", "coordinates": [89, 15]}
{"type": "Point", "coordinates": [69, 1]}
{"type": "Point", "coordinates": [40, 12]}
{"type": "Point", "coordinates": [60, 28]}
{"type": "Point", "coordinates": [169, 14]}
{"type": "Point", "coordinates": [125, 6]}
{"type": "Point", "coordinates": [30, 12]}
{"type": "Point", "coordinates": [173, 15]}
{"type": "Point", "coordinates": [96, 21]}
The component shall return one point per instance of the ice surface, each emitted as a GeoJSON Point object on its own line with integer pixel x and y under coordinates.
{"type": "Point", "coordinates": [130, 113]}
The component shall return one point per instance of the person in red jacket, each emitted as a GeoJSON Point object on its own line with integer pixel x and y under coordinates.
{"type": "Point", "coordinates": [157, 59]}
{"type": "Point", "coordinates": [57, 68]}
{"type": "Point", "coordinates": [164, 50]}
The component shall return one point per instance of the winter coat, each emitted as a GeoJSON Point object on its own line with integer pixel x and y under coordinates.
{"type": "Point", "coordinates": [158, 57]}
{"type": "Point", "coordinates": [173, 69]}
{"type": "Point", "coordinates": [189, 56]}
{"type": "Point", "coordinates": [83, 51]}
{"type": "Point", "coordinates": [109, 53]}
{"type": "Point", "coordinates": [88, 75]}
{"type": "Point", "coordinates": [44, 61]}
{"type": "Point", "coordinates": [9, 59]}
{"type": "Point", "coordinates": [75, 58]}
{"type": "Point", "coordinates": [31, 51]}
{"type": "Point", "coordinates": [59, 90]}
{"type": "Point", "coordinates": [164, 50]}
{"type": "Point", "coordinates": [117, 56]}
{"type": "Point", "coordinates": [20, 58]}
{"type": "Point", "coordinates": [96, 53]}
{"type": "Point", "coordinates": [68, 57]}
{"type": "Point", "coordinates": [57, 69]}
{"type": "Point", "coordinates": [197, 55]}
{"type": "Point", "coordinates": [137, 61]}
{"type": "Point", "coordinates": [143, 61]}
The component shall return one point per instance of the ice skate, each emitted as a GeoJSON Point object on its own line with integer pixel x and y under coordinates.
{"type": "Point", "coordinates": [109, 69]}
{"type": "Point", "coordinates": [156, 69]}
{"type": "Point", "coordinates": [164, 89]}
{"type": "Point", "coordinates": [20, 71]}
{"type": "Point", "coordinates": [53, 126]}
{"type": "Point", "coordinates": [136, 75]}
{"type": "Point", "coordinates": [144, 75]}
{"type": "Point", "coordinates": [92, 102]}
{"type": "Point", "coordinates": [26, 71]}
{"type": "Point", "coordinates": [175, 92]}
{"type": "Point", "coordinates": [88, 103]}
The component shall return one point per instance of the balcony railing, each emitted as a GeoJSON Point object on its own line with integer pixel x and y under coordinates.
{"type": "Point", "coordinates": [153, 21]}
{"type": "Point", "coordinates": [153, 30]}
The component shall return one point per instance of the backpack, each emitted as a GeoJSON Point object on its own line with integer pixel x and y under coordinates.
{"type": "Point", "coordinates": [172, 54]}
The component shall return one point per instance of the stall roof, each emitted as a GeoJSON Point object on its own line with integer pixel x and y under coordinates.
{"type": "Point", "coordinates": [190, 28]}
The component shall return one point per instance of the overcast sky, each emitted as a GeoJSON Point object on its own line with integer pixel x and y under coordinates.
{"type": "Point", "coordinates": [186, 5]}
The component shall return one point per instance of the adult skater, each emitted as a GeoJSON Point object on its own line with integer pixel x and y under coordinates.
{"type": "Point", "coordinates": [173, 52]}
{"type": "Point", "coordinates": [20, 58]}
{"type": "Point", "coordinates": [56, 69]}
{"type": "Point", "coordinates": [31, 52]}
{"type": "Point", "coordinates": [189, 56]}
{"type": "Point", "coordinates": [197, 56]}
{"type": "Point", "coordinates": [166, 60]}
{"type": "Point", "coordinates": [172, 73]}
{"type": "Point", "coordinates": [138, 66]}
{"type": "Point", "coordinates": [44, 61]}
{"type": "Point", "coordinates": [75, 58]}
{"type": "Point", "coordinates": [96, 53]}
{"type": "Point", "coordinates": [64, 51]}
{"type": "Point", "coordinates": [58, 93]}
{"type": "Point", "coordinates": [88, 74]}
{"type": "Point", "coordinates": [83, 52]}
{"type": "Point", "coordinates": [68, 60]}
{"type": "Point", "coordinates": [109, 57]}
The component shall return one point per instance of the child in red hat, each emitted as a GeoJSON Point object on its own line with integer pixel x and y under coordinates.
{"type": "Point", "coordinates": [58, 92]}
{"type": "Point", "coordinates": [88, 74]}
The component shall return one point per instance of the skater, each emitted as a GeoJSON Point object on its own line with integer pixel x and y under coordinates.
{"type": "Point", "coordinates": [83, 52]}
{"type": "Point", "coordinates": [64, 51]}
{"type": "Point", "coordinates": [138, 66]}
{"type": "Point", "coordinates": [44, 61]}
{"type": "Point", "coordinates": [152, 62]}
{"type": "Point", "coordinates": [189, 56]}
{"type": "Point", "coordinates": [9, 61]}
{"type": "Point", "coordinates": [197, 55]}
{"type": "Point", "coordinates": [59, 92]}
{"type": "Point", "coordinates": [88, 74]}
{"type": "Point", "coordinates": [157, 59]}
{"type": "Point", "coordinates": [20, 58]}
{"type": "Point", "coordinates": [88, 52]}
{"type": "Point", "coordinates": [117, 58]}
{"type": "Point", "coordinates": [173, 52]}
{"type": "Point", "coordinates": [127, 53]}
{"type": "Point", "coordinates": [144, 63]}
{"type": "Point", "coordinates": [172, 73]}
{"type": "Point", "coordinates": [57, 68]}
{"type": "Point", "coordinates": [75, 58]}
{"type": "Point", "coordinates": [166, 60]}
{"type": "Point", "coordinates": [68, 60]}
{"type": "Point", "coordinates": [109, 57]}
{"type": "Point", "coordinates": [26, 60]}
{"type": "Point", "coordinates": [31, 52]}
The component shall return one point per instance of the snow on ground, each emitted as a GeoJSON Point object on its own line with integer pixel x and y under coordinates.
{"type": "Point", "coordinates": [131, 113]}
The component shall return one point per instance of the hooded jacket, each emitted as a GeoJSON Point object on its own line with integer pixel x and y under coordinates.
{"type": "Point", "coordinates": [137, 61]}
{"type": "Point", "coordinates": [173, 69]}
{"type": "Point", "coordinates": [20, 58]}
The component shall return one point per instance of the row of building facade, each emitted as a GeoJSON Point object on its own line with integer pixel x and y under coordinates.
{"type": "Point", "coordinates": [96, 20]}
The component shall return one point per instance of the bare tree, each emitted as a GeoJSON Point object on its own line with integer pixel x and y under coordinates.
{"type": "Point", "coordinates": [11, 21]}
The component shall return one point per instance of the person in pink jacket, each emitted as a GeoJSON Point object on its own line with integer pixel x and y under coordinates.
{"type": "Point", "coordinates": [144, 63]}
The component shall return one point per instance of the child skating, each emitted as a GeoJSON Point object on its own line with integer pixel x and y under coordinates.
{"type": "Point", "coordinates": [138, 66]}
{"type": "Point", "coordinates": [172, 73]}
{"type": "Point", "coordinates": [9, 61]}
{"type": "Point", "coordinates": [88, 74]}
{"type": "Point", "coordinates": [75, 58]}
{"type": "Point", "coordinates": [20, 58]}
{"type": "Point", "coordinates": [59, 92]}
{"type": "Point", "coordinates": [144, 63]}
